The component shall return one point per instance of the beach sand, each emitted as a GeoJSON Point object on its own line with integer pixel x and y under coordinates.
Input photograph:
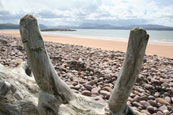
{"type": "Point", "coordinates": [164, 50]}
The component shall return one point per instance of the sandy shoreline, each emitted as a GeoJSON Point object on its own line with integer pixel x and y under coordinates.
{"type": "Point", "coordinates": [152, 49]}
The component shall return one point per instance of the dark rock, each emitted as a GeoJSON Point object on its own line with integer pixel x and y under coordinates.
{"type": "Point", "coordinates": [153, 103]}
{"type": "Point", "coordinates": [170, 108]}
{"type": "Point", "coordinates": [88, 87]}
{"type": "Point", "coordinates": [86, 93]}
{"type": "Point", "coordinates": [150, 109]}
{"type": "Point", "coordinates": [82, 82]}
{"type": "Point", "coordinates": [77, 87]}
{"type": "Point", "coordinates": [132, 95]}
{"type": "Point", "coordinates": [77, 65]}
{"type": "Point", "coordinates": [136, 104]}
{"type": "Point", "coordinates": [151, 97]}
{"type": "Point", "coordinates": [74, 83]}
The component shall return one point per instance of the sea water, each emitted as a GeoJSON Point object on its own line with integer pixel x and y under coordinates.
{"type": "Point", "coordinates": [120, 35]}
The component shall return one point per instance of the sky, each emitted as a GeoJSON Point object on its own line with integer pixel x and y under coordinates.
{"type": "Point", "coordinates": [77, 12]}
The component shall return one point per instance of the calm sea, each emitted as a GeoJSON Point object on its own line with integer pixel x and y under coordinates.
{"type": "Point", "coordinates": [155, 36]}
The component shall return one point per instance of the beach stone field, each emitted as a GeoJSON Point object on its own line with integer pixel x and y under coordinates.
{"type": "Point", "coordinates": [93, 72]}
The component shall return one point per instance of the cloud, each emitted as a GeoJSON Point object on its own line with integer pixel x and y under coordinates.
{"type": "Point", "coordinates": [0, 4]}
{"type": "Point", "coordinates": [49, 14]}
{"type": "Point", "coordinates": [118, 22]}
{"type": "Point", "coordinates": [8, 17]}
{"type": "Point", "coordinates": [75, 12]}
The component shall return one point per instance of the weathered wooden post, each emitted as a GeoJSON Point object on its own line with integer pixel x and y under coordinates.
{"type": "Point", "coordinates": [53, 89]}
{"type": "Point", "coordinates": [55, 97]}
{"type": "Point", "coordinates": [138, 40]}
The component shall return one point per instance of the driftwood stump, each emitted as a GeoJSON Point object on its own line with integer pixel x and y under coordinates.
{"type": "Point", "coordinates": [131, 67]}
{"type": "Point", "coordinates": [56, 98]}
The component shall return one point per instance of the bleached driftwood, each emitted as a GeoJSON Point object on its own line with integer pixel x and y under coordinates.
{"type": "Point", "coordinates": [55, 97]}
{"type": "Point", "coordinates": [18, 92]}
{"type": "Point", "coordinates": [131, 67]}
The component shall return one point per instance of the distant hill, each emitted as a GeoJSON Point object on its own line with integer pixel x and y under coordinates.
{"type": "Point", "coordinates": [107, 26]}
{"type": "Point", "coordinates": [95, 26]}
{"type": "Point", "coordinates": [62, 27]}
{"type": "Point", "coordinates": [9, 26]}
{"type": "Point", "coordinates": [16, 26]}
{"type": "Point", "coordinates": [55, 29]}
{"type": "Point", "coordinates": [152, 27]}
{"type": "Point", "coordinates": [92, 26]}
{"type": "Point", "coordinates": [42, 26]}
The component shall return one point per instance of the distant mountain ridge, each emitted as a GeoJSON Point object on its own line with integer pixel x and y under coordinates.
{"type": "Point", "coordinates": [107, 26]}
{"type": "Point", "coordinates": [9, 26]}
{"type": "Point", "coordinates": [16, 26]}
{"type": "Point", "coordinates": [92, 26]}
{"type": "Point", "coordinates": [152, 27]}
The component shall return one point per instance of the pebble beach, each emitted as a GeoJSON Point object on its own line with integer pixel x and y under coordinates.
{"type": "Point", "coordinates": [93, 72]}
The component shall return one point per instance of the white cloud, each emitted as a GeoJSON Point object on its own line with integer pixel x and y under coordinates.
{"type": "Point", "coordinates": [75, 12]}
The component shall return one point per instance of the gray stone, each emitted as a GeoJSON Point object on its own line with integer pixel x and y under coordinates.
{"type": "Point", "coordinates": [144, 104]}
{"type": "Point", "coordinates": [95, 90]}
{"type": "Point", "coordinates": [168, 99]}
{"type": "Point", "coordinates": [105, 93]}
{"type": "Point", "coordinates": [164, 109]}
